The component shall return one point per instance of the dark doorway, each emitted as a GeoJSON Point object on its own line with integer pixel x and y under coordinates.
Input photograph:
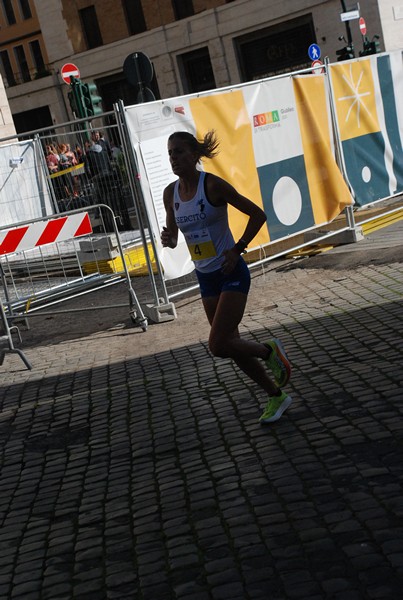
{"type": "Point", "coordinates": [275, 50]}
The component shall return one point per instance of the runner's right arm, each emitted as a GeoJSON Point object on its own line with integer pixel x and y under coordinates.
{"type": "Point", "coordinates": [169, 233]}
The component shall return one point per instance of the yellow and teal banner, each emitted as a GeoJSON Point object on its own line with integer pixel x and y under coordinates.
{"type": "Point", "coordinates": [368, 100]}
{"type": "Point", "coordinates": [276, 148]}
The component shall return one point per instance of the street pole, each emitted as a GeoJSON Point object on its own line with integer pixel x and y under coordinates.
{"type": "Point", "coordinates": [348, 30]}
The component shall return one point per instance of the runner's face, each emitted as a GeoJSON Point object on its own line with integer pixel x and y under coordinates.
{"type": "Point", "coordinates": [183, 160]}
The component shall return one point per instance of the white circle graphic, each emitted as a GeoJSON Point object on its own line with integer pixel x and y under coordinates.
{"type": "Point", "coordinates": [366, 174]}
{"type": "Point", "coordinates": [287, 201]}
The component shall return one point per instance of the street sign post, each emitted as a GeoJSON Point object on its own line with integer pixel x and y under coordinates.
{"type": "Point", "coordinates": [69, 70]}
{"type": "Point", "coordinates": [350, 15]}
{"type": "Point", "coordinates": [139, 72]}
{"type": "Point", "coordinates": [138, 68]}
{"type": "Point", "coordinates": [363, 26]}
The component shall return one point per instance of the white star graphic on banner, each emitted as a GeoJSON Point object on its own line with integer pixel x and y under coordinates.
{"type": "Point", "coordinates": [356, 97]}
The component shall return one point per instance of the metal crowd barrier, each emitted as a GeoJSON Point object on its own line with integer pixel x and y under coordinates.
{"type": "Point", "coordinates": [7, 336]}
{"type": "Point", "coordinates": [44, 262]}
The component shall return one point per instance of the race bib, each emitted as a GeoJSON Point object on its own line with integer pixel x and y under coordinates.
{"type": "Point", "coordinates": [200, 244]}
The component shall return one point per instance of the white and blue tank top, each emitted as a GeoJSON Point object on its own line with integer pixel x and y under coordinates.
{"type": "Point", "coordinates": [204, 226]}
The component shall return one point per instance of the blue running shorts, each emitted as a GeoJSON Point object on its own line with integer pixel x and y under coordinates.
{"type": "Point", "coordinates": [212, 284]}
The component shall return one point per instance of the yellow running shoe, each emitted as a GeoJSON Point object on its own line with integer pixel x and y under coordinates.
{"type": "Point", "coordinates": [275, 408]}
{"type": "Point", "coordinates": [278, 362]}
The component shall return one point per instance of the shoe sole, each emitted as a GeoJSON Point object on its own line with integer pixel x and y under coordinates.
{"type": "Point", "coordinates": [281, 353]}
{"type": "Point", "coordinates": [281, 409]}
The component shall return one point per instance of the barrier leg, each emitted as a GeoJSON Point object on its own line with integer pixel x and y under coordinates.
{"type": "Point", "coordinates": [136, 314]}
{"type": "Point", "coordinates": [9, 339]}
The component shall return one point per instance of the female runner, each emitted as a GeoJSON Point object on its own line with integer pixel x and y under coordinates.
{"type": "Point", "coordinates": [196, 203]}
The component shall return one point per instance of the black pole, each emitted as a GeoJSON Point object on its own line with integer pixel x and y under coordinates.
{"type": "Point", "coordinates": [348, 30]}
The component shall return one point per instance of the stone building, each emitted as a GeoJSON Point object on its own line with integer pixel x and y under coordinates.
{"type": "Point", "coordinates": [193, 45]}
{"type": "Point", "coordinates": [6, 120]}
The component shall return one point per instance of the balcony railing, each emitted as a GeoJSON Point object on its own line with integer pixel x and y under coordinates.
{"type": "Point", "coordinates": [17, 78]}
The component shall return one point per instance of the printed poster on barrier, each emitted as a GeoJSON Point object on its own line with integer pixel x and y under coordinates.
{"type": "Point", "coordinates": [266, 151]}
{"type": "Point", "coordinates": [368, 98]}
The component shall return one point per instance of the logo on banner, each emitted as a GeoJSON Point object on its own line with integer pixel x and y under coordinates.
{"type": "Point", "coordinates": [267, 118]}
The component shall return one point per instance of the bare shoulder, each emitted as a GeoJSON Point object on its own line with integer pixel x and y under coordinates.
{"type": "Point", "coordinates": [213, 181]}
{"type": "Point", "coordinates": [170, 188]}
{"type": "Point", "coordinates": [218, 189]}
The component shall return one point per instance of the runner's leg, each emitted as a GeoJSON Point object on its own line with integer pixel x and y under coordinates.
{"type": "Point", "coordinates": [224, 313]}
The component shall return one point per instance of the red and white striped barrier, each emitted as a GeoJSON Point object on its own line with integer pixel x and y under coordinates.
{"type": "Point", "coordinates": [39, 233]}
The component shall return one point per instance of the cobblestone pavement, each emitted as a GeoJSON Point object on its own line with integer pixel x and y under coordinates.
{"type": "Point", "coordinates": [134, 466]}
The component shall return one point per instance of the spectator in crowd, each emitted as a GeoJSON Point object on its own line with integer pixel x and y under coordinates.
{"type": "Point", "coordinates": [98, 138]}
{"type": "Point", "coordinates": [107, 185]}
{"type": "Point", "coordinates": [53, 162]}
{"type": "Point", "coordinates": [72, 163]}
{"type": "Point", "coordinates": [65, 163]}
{"type": "Point", "coordinates": [116, 151]}
{"type": "Point", "coordinates": [52, 159]}
{"type": "Point", "coordinates": [96, 160]}
{"type": "Point", "coordinates": [63, 158]}
{"type": "Point", "coordinates": [79, 153]}
{"type": "Point", "coordinates": [71, 156]}
{"type": "Point", "coordinates": [54, 149]}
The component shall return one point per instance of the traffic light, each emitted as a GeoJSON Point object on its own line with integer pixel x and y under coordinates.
{"type": "Point", "coordinates": [92, 101]}
{"type": "Point", "coordinates": [72, 100]}
{"type": "Point", "coordinates": [84, 99]}
{"type": "Point", "coordinates": [345, 53]}
{"type": "Point", "coordinates": [370, 47]}
{"type": "Point", "coordinates": [75, 97]}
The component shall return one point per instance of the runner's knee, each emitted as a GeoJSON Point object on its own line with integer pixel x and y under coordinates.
{"type": "Point", "coordinates": [218, 347]}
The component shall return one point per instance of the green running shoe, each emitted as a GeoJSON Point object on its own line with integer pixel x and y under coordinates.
{"type": "Point", "coordinates": [275, 408]}
{"type": "Point", "coordinates": [278, 362]}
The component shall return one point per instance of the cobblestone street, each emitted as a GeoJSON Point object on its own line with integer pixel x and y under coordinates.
{"type": "Point", "coordinates": [134, 466]}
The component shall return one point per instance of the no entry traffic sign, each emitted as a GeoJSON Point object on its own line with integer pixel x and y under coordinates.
{"type": "Point", "coordinates": [69, 70]}
{"type": "Point", "coordinates": [315, 66]}
{"type": "Point", "coordinates": [363, 26]}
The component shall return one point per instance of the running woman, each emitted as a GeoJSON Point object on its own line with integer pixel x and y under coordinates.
{"type": "Point", "coordinates": [197, 203]}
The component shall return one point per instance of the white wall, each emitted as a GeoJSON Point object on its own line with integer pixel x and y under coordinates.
{"type": "Point", "coordinates": [6, 120]}
{"type": "Point", "coordinates": [391, 12]}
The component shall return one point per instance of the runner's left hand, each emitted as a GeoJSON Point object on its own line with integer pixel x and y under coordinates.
{"type": "Point", "coordinates": [230, 261]}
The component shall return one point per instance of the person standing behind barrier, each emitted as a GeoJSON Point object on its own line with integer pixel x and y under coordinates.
{"type": "Point", "coordinates": [197, 203]}
{"type": "Point", "coordinates": [53, 163]}
{"type": "Point", "coordinates": [96, 160]}
{"type": "Point", "coordinates": [78, 151]}
{"type": "Point", "coordinates": [65, 163]}
{"type": "Point", "coordinates": [71, 156]}
{"type": "Point", "coordinates": [72, 163]}
{"type": "Point", "coordinates": [103, 179]}
{"type": "Point", "coordinates": [98, 138]}
{"type": "Point", "coordinates": [52, 159]}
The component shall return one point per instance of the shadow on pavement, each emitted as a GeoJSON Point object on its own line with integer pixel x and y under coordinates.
{"type": "Point", "coordinates": [151, 477]}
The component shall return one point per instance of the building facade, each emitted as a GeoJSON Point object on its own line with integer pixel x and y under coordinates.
{"type": "Point", "coordinates": [6, 120]}
{"type": "Point", "coordinates": [193, 45]}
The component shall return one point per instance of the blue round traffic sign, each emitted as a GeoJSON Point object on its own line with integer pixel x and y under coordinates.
{"type": "Point", "coordinates": [314, 52]}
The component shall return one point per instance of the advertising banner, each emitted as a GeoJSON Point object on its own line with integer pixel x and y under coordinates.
{"type": "Point", "coordinates": [368, 98]}
{"type": "Point", "coordinates": [276, 148]}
